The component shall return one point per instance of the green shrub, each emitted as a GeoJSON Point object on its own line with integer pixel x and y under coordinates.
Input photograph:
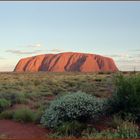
{"type": "Point", "coordinates": [6, 114]}
{"type": "Point", "coordinates": [24, 115]}
{"type": "Point", "coordinates": [38, 115]}
{"type": "Point", "coordinates": [73, 106]}
{"type": "Point", "coordinates": [73, 128]}
{"type": "Point", "coordinates": [4, 104]}
{"type": "Point", "coordinates": [126, 99]}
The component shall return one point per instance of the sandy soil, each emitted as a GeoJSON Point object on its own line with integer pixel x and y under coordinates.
{"type": "Point", "coordinates": [14, 130]}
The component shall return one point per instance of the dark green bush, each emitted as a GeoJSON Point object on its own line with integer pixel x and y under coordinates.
{"type": "Point", "coordinates": [4, 104]}
{"type": "Point", "coordinates": [72, 107]}
{"type": "Point", "coordinates": [24, 115]}
{"type": "Point", "coordinates": [126, 99]}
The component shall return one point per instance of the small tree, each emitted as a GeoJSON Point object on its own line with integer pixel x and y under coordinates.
{"type": "Point", "coordinates": [127, 97]}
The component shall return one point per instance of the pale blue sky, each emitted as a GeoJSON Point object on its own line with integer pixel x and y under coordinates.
{"type": "Point", "coordinates": [105, 28]}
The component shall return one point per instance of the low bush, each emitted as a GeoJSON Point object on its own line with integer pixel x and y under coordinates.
{"type": "Point", "coordinates": [24, 115]}
{"type": "Point", "coordinates": [78, 106]}
{"type": "Point", "coordinates": [38, 115]}
{"type": "Point", "coordinates": [6, 114]}
{"type": "Point", "coordinates": [4, 104]}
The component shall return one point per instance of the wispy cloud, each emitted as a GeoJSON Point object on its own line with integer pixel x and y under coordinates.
{"type": "Point", "coordinates": [6, 67]}
{"type": "Point", "coordinates": [121, 56]}
{"type": "Point", "coordinates": [38, 45]}
{"type": "Point", "coordinates": [56, 50]}
{"type": "Point", "coordinates": [127, 61]}
{"type": "Point", "coordinates": [23, 52]}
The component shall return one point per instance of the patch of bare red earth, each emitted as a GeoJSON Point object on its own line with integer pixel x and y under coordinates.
{"type": "Point", "coordinates": [20, 131]}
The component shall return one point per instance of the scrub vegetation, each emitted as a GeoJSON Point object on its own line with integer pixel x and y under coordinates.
{"type": "Point", "coordinates": [87, 105]}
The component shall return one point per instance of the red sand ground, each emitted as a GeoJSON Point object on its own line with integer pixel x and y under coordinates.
{"type": "Point", "coordinates": [15, 130]}
{"type": "Point", "coordinates": [18, 131]}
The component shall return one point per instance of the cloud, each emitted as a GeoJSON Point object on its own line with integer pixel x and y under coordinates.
{"type": "Point", "coordinates": [23, 52]}
{"type": "Point", "coordinates": [121, 56]}
{"type": "Point", "coordinates": [55, 50]}
{"type": "Point", "coordinates": [20, 52]}
{"type": "Point", "coordinates": [127, 61]}
{"type": "Point", "coordinates": [136, 61]}
{"type": "Point", "coordinates": [6, 68]}
{"type": "Point", "coordinates": [114, 55]}
{"type": "Point", "coordinates": [35, 45]}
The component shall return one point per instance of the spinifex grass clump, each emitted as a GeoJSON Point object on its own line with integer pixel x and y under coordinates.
{"type": "Point", "coordinates": [24, 115]}
{"type": "Point", "coordinates": [127, 97]}
{"type": "Point", "coordinates": [125, 130]}
{"type": "Point", "coordinates": [14, 98]}
{"type": "Point", "coordinates": [71, 128]}
{"type": "Point", "coordinates": [79, 107]}
{"type": "Point", "coordinates": [4, 104]}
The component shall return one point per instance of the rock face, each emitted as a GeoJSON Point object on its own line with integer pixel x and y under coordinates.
{"type": "Point", "coordinates": [66, 62]}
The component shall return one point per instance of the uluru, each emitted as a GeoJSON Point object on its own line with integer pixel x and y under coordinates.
{"type": "Point", "coordinates": [66, 62]}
